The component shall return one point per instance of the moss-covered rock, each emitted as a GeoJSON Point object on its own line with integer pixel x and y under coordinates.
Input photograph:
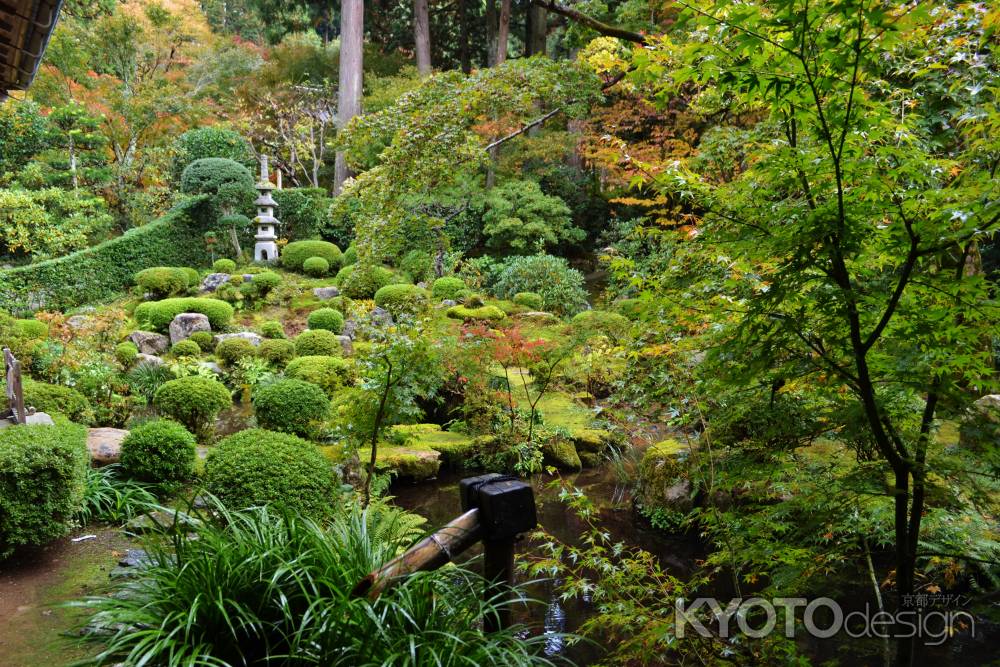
{"type": "Point", "coordinates": [406, 462]}
{"type": "Point", "coordinates": [491, 313]}
{"type": "Point", "coordinates": [562, 454]}
{"type": "Point", "coordinates": [663, 480]}
{"type": "Point", "coordinates": [454, 448]}
{"type": "Point", "coordinates": [592, 440]}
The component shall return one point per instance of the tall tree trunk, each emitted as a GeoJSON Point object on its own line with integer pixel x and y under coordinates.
{"type": "Point", "coordinates": [352, 27]}
{"type": "Point", "coordinates": [463, 37]}
{"type": "Point", "coordinates": [503, 31]}
{"type": "Point", "coordinates": [491, 32]}
{"type": "Point", "coordinates": [536, 30]}
{"type": "Point", "coordinates": [422, 37]}
{"type": "Point", "coordinates": [72, 163]}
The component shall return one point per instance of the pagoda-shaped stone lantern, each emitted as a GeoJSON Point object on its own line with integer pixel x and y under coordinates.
{"type": "Point", "coordinates": [266, 248]}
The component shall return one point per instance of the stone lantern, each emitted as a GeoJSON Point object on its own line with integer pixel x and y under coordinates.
{"type": "Point", "coordinates": [266, 248]}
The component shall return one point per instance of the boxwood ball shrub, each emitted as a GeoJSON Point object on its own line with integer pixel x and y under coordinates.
{"type": "Point", "coordinates": [231, 350]}
{"type": "Point", "coordinates": [263, 283]}
{"type": "Point", "coordinates": [272, 329]}
{"type": "Point", "coordinates": [350, 256]}
{"type": "Point", "coordinates": [329, 319]}
{"type": "Point", "coordinates": [210, 141]}
{"type": "Point", "coordinates": [185, 348]}
{"type": "Point", "coordinates": [277, 351]}
{"type": "Point", "coordinates": [42, 474]}
{"type": "Point", "coordinates": [295, 254]}
{"type": "Point", "coordinates": [159, 314]}
{"type": "Point", "coordinates": [194, 278]}
{"type": "Point", "coordinates": [331, 374]}
{"type": "Point", "coordinates": [359, 281]}
{"type": "Point", "coordinates": [317, 342]}
{"type": "Point", "coordinates": [194, 401]}
{"type": "Point", "coordinates": [203, 339]}
{"type": "Point", "coordinates": [316, 267]}
{"type": "Point", "coordinates": [126, 353]}
{"type": "Point", "coordinates": [561, 287]}
{"type": "Point", "coordinates": [491, 313]}
{"type": "Point", "coordinates": [224, 266]}
{"type": "Point", "coordinates": [257, 467]}
{"type": "Point", "coordinates": [163, 281]}
{"type": "Point", "coordinates": [402, 299]}
{"type": "Point", "coordinates": [447, 287]}
{"type": "Point", "coordinates": [531, 300]}
{"type": "Point", "coordinates": [291, 406]}
{"type": "Point", "coordinates": [208, 175]}
{"type": "Point", "coordinates": [158, 451]}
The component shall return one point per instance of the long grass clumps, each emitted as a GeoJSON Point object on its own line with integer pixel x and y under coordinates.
{"type": "Point", "coordinates": [259, 587]}
{"type": "Point", "coordinates": [159, 314]}
{"type": "Point", "coordinates": [109, 497]}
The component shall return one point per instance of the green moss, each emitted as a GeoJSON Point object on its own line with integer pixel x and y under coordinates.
{"type": "Point", "coordinates": [663, 466]}
{"type": "Point", "coordinates": [562, 454]}
{"type": "Point", "coordinates": [406, 462]}
{"type": "Point", "coordinates": [454, 448]}
{"type": "Point", "coordinates": [591, 440]}
{"type": "Point", "coordinates": [481, 313]}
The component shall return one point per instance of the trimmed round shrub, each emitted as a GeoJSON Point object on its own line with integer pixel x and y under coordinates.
{"type": "Point", "coordinates": [158, 451]}
{"type": "Point", "coordinates": [194, 278]}
{"type": "Point", "coordinates": [316, 267]}
{"type": "Point", "coordinates": [290, 406]}
{"type": "Point", "coordinates": [317, 342]}
{"type": "Point", "coordinates": [610, 324]}
{"type": "Point", "coordinates": [531, 300]}
{"type": "Point", "coordinates": [491, 313]}
{"type": "Point", "coordinates": [295, 254]}
{"type": "Point", "coordinates": [231, 350]}
{"type": "Point", "coordinates": [361, 281]}
{"type": "Point", "coordinates": [561, 287]}
{"type": "Point", "coordinates": [209, 175]}
{"type": "Point", "coordinates": [331, 374]}
{"type": "Point", "coordinates": [186, 348]}
{"type": "Point", "coordinates": [162, 281]}
{"type": "Point", "coordinates": [42, 476]}
{"type": "Point", "coordinates": [126, 353]}
{"type": "Point", "coordinates": [193, 401]}
{"type": "Point", "coordinates": [159, 314]}
{"type": "Point", "coordinates": [277, 351]}
{"type": "Point", "coordinates": [32, 329]}
{"type": "Point", "coordinates": [272, 329]}
{"type": "Point", "coordinates": [210, 141]}
{"type": "Point", "coordinates": [258, 467]}
{"type": "Point", "coordinates": [54, 398]}
{"type": "Point", "coordinates": [350, 256]}
{"type": "Point", "coordinates": [402, 299]}
{"type": "Point", "coordinates": [326, 318]}
{"type": "Point", "coordinates": [204, 340]}
{"type": "Point", "coordinates": [264, 282]}
{"type": "Point", "coordinates": [224, 266]}
{"type": "Point", "coordinates": [447, 287]}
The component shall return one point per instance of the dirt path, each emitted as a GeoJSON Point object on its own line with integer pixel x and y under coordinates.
{"type": "Point", "coordinates": [33, 625]}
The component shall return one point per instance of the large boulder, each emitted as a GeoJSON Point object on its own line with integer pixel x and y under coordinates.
{"type": "Point", "coordinates": [562, 454]}
{"type": "Point", "coordinates": [254, 338]}
{"type": "Point", "coordinates": [325, 293]}
{"type": "Point", "coordinates": [980, 429]}
{"type": "Point", "coordinates": [105, 445]}
{"type": "Point", "coordinates": [148, 360]}
{"type": "Point", "coordinates": [214, 281]}
{"type": "Point", "coordinates": [185, 324]}
{"type": "Point", "coordinates": [663, 479]}
{"type": "Point", "coordinates": [149, 342]}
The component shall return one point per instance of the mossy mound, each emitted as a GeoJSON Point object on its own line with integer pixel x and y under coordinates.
{"type": "Point", "coordinates": [405, 462]}
{"type": "Point", "coordinates": [663, 482]}
{"type": "Point", "coordinates": [454, 448]}
{"type": "Point", "coordinates": [562, 454]}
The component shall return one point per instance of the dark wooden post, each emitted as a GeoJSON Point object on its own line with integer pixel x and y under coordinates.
{"type": "Point", "coordinates": [15, 392]}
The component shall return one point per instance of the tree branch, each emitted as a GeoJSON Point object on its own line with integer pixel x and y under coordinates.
{"type": "Point", "coordinates": [591, 22]}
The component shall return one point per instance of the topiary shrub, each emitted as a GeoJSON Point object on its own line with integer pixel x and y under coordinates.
{"type": "Point", "coordinates": [277, 351]}
{"type": "Point", "coordinates": [290, 406]}
{"type": "Point", "coordinates": [295, 254]}
{"type": "Point", "coordinates": [42, 474]}
{"type": "Point", "coordinates": [258, 467]}
{"type": "Point", "coordinates": [447, 287]}
{"type": "Point", "coordinates": [193, 401]}
{"type": "Point", "coordinates": [210, 142]}
{"type": "Point", "coordinates": [212, 174]}
{"type": "Point", "coordinates": [186, 348]}
{"type": "Point", "coordinates": [350, 256]}
{"type": "Point", "coordinates": [402, 299]}
{"type": "Point", "coordinates": [531, 300]}
{"type": "Point", "coordinates": [159, 314]}
{"type": "Point", "coordinates": [263, 283]}
{"type": "Point", "coordinates": [361, 281]}
{"type": "Point", "coordinates": [331, 374]}
{"type": "Point", "coordinates": [318, 342]}
{"type": "Point", "coordinates": [272, 329]}
{"type": "Point", "coordinates": [592, 322]}
{"type": "Point", "coordinates": [224, 266]}
{"type": "Point", "coordinates": [126, 353]}
{"type": "Point", "coordinates": [231, 350]}
{"type": "Point", "coordinates": [55, 399]}
{"type": "Point", "coordinates": [32, 329]}
{"type": "Point", "coordinates": [204, 340]}
{"type": "Point", "coordinates": [194, 278]}
{"type": "Point", "coordinates": [491, 313]}
{"type": "Point", "coordinates": [158, 451]}
{"type": "Point", "coordinates": [316, 267]}
{"type": "Point", "coordinates": [561, 287]}
{"type": "Point", "coordinates": [162, 281]}
{"type": "Point", "coordinates": [328, 319]}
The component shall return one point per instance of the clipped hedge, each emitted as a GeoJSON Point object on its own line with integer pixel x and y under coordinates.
{"type": "Point", "coordinates": [532, 300]}
{"type": "Point", "coordinates": [277, 351]}
{"type": "Point", "coordinates": [159, 451]}
{"type": "Point", "coordinates": [193, 401]}
{"type": "Point", "coordinates": [106, 270]}
{"type": "Point", "coordinates": [316, 267]}
{"type": "Point", "coordinates": [359, 281]}
{"type": "Point", "coordinates": [329, 319]}
{"type": "Point", "coordinates": [54, 399]}
{"type": "Point", "coordinates": [42, 474]}
{"type": "Point", "coordinates": [159, 314]}
{"type": "Point", "coordinates": [402, 299]}
{"type": "Point", "coordinates": [318, 342]}
{"type": "Point", "coordinates": [295, 254]}
{"type": "Point", "coordinates": [258, 467]}
{"type": "Point", "coordinates": [291, 406]}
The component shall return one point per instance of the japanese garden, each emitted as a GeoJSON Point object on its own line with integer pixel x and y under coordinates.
{"type": "Point", "coordinates": [499, 332]}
